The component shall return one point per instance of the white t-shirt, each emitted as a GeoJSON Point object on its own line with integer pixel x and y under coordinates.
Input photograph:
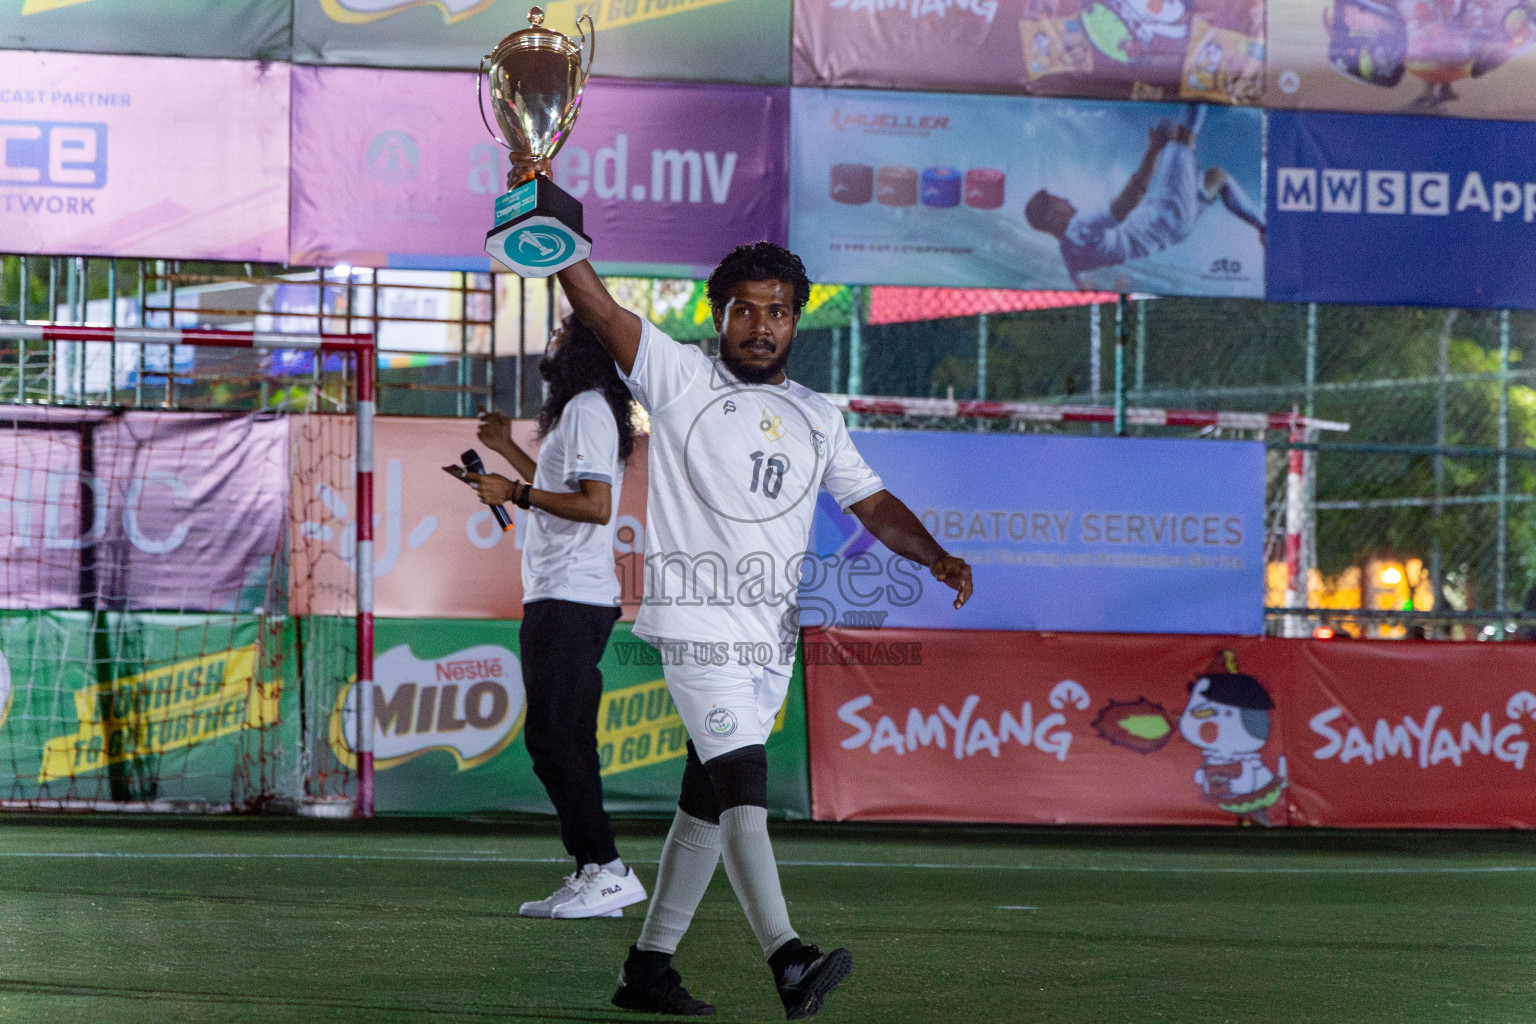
{"type": "Point", "coordinates": [565, 560]}
{"type": "Point", "coordinates": [734, 469]}
{"type": "Point", "coordinates": [1164, 217]}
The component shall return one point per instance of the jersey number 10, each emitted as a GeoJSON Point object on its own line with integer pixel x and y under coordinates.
{"type": "Point", "coordinates": [771, 475]}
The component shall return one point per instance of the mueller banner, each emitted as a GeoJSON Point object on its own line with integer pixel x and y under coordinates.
{"type": "Point", "coordinates": [1011, 192]}
{"type": "Point", "coordinates": [1122, 535]}
{"type": "Point", "coordinates": [1206, 50]}
{"type": "Point", "coordinates": [449, 711]}
{"type": "Point", "coordinates": [243, 29]}
{"type": "Point", "coordinates": [909, 725]}
{"type": "Point", "coordinates": [143, 156]}
{"type": "Point", "coordinates": [1472, 59]}
{"type": "Point", "coordinates": [694, 40]}
{"type": "Point", "coordinates": [1401, 211]}
{"type": "Point", "coordinates": [140, 510]}
{"type": "Point", "coordinates": [1395, 735]}
{"type": "Point", "coordinates": [395, 168]}
{"type": "Point", "coordinates": [438, 552]}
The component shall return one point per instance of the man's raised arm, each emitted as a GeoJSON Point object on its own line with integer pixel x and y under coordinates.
{"type": "Point", "coordinates": [1136, 188]}
{"type": "Point", "coordinates": [616, 327]}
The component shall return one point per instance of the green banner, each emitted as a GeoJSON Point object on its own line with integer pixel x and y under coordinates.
{"type": "Point", "coordinates": [682, 310]}
{"type": "Point", "coordinates": [145, 707]}
{"type": "Point", "coordinates": [448, 713]}
{"type": "Point", "coordinates": [680, 40]}
{"type": "Point", "coordinates": [245, 29]}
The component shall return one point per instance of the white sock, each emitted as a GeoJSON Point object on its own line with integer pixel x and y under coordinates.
{"type": "Point", "coordinates": [754, 875]}
{"type": "Point", "coordinates": [688, 860]}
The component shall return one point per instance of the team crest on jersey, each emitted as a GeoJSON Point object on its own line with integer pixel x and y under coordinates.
{"type": "Point", "coordinates": [721, 722]}
{"type": "Point", "coordinates": [771, 425]}
{"type": "Point", "coordinates": [820, 441]}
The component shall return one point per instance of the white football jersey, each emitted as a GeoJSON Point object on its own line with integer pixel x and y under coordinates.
{"type": "Point", "coordinates": [565, 560]}
{"type": "Point", "coordinates": [734, 471]}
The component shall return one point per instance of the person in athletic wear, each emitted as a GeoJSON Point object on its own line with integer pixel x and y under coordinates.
{"type": "Point", "coordinates": [570, 601]}
{"type": "Point", "coordinates": [1158, 207]}
{"type": "Point", "coordinates": [737, 453]}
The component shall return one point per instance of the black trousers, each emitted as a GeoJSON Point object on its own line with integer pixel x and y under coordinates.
{"type": "Point", "coordinates": [561, 644]}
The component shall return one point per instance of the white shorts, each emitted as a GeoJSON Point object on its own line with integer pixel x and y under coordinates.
{"type": "Point", "coordinates": [724, 707]}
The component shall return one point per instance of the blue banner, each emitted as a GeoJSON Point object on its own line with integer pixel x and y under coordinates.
{"type": "Point", "coordinates": [1119, 535]}
{"type": "Point", "coordinates": [937, 189]}
{"type": "Point", "coordinates": [1401, 210]}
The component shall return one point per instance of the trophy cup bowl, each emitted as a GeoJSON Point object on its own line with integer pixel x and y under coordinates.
{"type": "Point", "coordinates": [537, 83]}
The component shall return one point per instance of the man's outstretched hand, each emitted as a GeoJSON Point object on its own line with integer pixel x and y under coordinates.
{"type": "Point", "coordinates": [954, 573]}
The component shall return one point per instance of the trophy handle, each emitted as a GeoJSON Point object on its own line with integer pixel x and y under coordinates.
{"type": "Point", "coordinates": [480, 104]}
{"type": "Point", "coordinates": [589, 45]}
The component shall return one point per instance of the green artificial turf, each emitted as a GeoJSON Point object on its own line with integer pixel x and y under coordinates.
{"type": "Point", "coordinates": [182, 920]}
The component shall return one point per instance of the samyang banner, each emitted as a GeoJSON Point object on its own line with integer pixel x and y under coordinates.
{"type": "Point", "coordinates": [395, 168]}
{"type": "Point", "coordinates": [143, 156]}
{"type": "Point", "coordinates": [450, 710]}
{"type": "Point", "coordinates": [692, 40]}
{"type": "Point", "coordinates": [943, 190]}
{"type": "Point", "coordinates": [913, 725]}
{"type": "Point", "coordinates": [1123, 535]}
{"type": "Point", "coordinates": [1401, 211]}
{"type": "Point", "coordinates": [1396, 56]}
{"type": "Point", "coordinates": [243, 29]}
{"type": "Point", "coordinates": [437, 551]}
{"type": "Point", "coordinates": [141, 510]}
{"type": "Point", "coordinates": [1206, 50]}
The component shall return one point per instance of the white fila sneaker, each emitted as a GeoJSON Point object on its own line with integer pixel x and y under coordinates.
{"type": "Point", "coordinates": [546, 906]}
{"type": "Point", "coordinates": [601, 894]}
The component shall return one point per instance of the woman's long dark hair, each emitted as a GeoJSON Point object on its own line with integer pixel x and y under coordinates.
{"type": "Point", "coordinates": [580, 364]}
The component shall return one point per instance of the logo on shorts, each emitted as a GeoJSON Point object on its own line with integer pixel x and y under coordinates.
{"type": "Point", "coordinates": [721, 722]}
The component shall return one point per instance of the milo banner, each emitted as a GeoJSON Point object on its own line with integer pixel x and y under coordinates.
{"type": "Point", "coordinates": [1475, 59]}
{"type": "Point", "coordinates": [449, 708]}
{"type": "Point", "coordinates": [909, 725]}
{"type": "Point", "coordinates": [1125, 535]}
{"type": "Point", "coordinates": [1206, 50]}
{"type": "Point", "coordinates": [143, 156]}
{"type": "Point", "coordinates": [143, 707]}
{"type": "Point", "coordinates": [943, 190]}
{"type": "Point", "coordinates": [699, 40]}
{"type": "Point", "coordinates": [247, 29]}
{"type": "Point", "coordinates": [395, 168]}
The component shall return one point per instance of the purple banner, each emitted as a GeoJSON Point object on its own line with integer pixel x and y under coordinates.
{"type": "Point", "coordinates": [170, 511]}
{"type": "Point", "coordinates": [143, 156]}
{"type": "Point", "coordinates": [394, 168]}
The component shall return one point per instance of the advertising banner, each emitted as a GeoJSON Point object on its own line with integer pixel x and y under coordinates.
{"type": "Point", "coordinates": [1121, 535]}
{"type": "Point", "coordinates": [1206, 50]}
{"type": "Point", "coordinates": [449, 712]}
{"type": "Point", "coordinates": [1011, 192]}
{"type": "Point", "coordinates": [909, 725]}
{"type": "Point", "coordinates": [691, 40]}
{"type": "Point", "coordinates": [143, 156]}
{"type": "Point", "coordinates": [1474, 59]}
{"type": "Point", "coordinates": [438, 552]}
{"type": "Point", "coordinates": [1401, 211]}
{"type": "Point", "coordinates": [243, 29]}
{"type": "Point", "coordinates": [179, 707]}
{"type": "Point", "coordinates": [140, 509]}
{"type": "Point", "coordinates": [1408, 735]}
{"type": "Point", "coordinates": [394, 168]}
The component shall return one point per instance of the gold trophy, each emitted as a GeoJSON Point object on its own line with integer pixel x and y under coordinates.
{"type": "Point", "coordinates": [537, 82]}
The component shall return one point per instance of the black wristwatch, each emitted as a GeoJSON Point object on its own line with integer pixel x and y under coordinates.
{"type": "Point", "coordinates": [521, 500]}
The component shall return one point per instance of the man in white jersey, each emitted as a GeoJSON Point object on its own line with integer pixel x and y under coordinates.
{"type": "Point", "coordinates": [570, 602]}
{"type": "Point", "coordinates": [737, 454]}
{"type": "Point", "coordinates": [1158, 207]}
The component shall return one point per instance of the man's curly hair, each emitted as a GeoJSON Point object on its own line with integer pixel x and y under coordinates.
{"type": "Point", "coordinates": [758, 261]}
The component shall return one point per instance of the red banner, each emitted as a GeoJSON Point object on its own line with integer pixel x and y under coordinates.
{"type": "Point", "coordinates": [1132, 729]}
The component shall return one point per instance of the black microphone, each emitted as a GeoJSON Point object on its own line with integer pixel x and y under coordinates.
{"type": "Point", "coordinates": [471, 460]}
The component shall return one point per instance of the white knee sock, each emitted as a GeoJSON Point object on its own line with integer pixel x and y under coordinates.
{"type": "Point", "coordinates": [754, 875]}
{"type": "Point", "coordinates": [688, 861]}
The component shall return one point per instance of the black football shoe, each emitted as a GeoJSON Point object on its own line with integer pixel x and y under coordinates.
{"type": "Point", "coordinates": [805, 975]}
{"type": "Point", "coordinates": [649, 983]}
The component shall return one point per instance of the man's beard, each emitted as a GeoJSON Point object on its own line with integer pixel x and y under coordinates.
{"type": "Point", "coordinates": [754, 374]}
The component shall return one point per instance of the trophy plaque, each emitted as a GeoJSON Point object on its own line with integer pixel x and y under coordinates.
{"type": "Point", "coordinates": [537, 82]}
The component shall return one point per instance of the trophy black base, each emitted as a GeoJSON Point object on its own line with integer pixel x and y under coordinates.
{"type": "Point", "coordinates": [538, 230]}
